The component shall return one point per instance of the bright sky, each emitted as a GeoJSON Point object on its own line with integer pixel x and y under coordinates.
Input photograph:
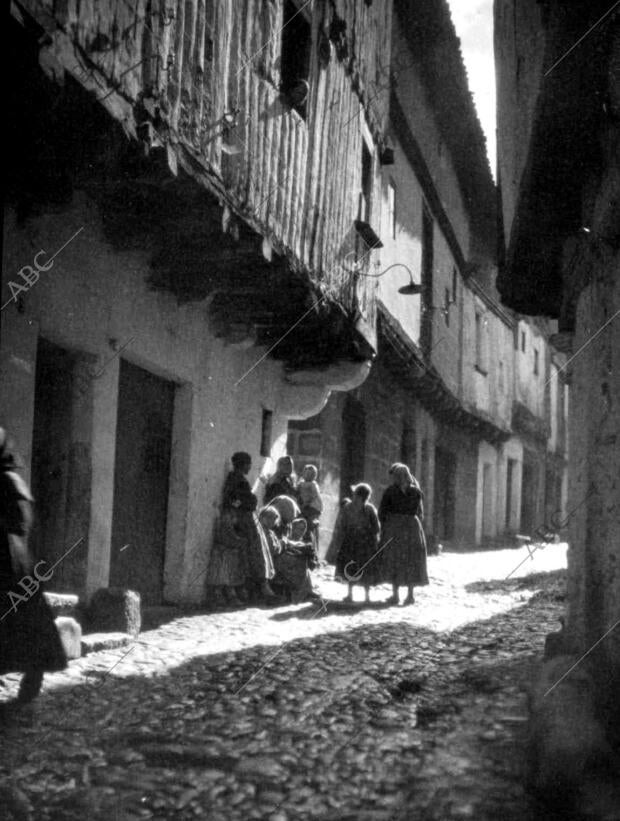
{"type": "Point", "coordinates": [473, 20]}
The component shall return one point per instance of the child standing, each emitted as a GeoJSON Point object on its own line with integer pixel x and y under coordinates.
{"type": "Point", "coordinates": [310, 502]}
{"type": "Point", "coordinates": [355, 543]}
{"type": "Point", "coordinates": [227, 565]}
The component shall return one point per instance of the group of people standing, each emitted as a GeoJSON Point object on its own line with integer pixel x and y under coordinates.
{"type": "Point", "coordinates": [267, 555]}
{"type": "Point", "coordinates": [264, 555]}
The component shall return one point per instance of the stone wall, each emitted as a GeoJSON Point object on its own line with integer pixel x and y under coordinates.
{"type": "Point", "coordinates": [579, 242]}
{"type": "Point", "coordinates": [594, 481]}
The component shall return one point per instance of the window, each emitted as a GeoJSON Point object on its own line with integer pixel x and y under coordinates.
{"type": "Point", "coordinates": [446, 303]}
{"type": "Point", "coordinates": [481, 343]}
{"type": "Point", "coordinates": [295, 58]}
{"type": "Point", "coordinates": [366, 183]}
{"type": "Point", "coordinates": [536, 363]}
{"type": "Point", "coordinates": [523, 341]}
{"type": "Point", "coordinates": [265, 434]}
{"type": "Point", "coordinates": [454, 284]}
{"type": "Point", "coordinates": [391, 204]}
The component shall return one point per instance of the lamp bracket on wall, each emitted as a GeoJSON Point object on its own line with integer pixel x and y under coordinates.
{"type": "Point", "coordinates": [410, 289]}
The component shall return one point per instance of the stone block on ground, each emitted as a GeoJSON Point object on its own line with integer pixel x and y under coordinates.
{"type": "Point", "coordinates": [62, 604]}
{"type": "Point", "coordinates": [70, 635]}
{"type": "Point", "coordinates": [114, 610]}
{"type": "Point", "coordinates": [94, 642]}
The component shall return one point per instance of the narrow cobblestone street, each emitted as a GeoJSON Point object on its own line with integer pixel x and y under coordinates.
{"type": "Point", "coordinates": [301, 712]}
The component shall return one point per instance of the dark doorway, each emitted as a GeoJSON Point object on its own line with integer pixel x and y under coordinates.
{"type": "Point", "coordinates": [445, 494]}
{"type": "Point", "coordinates": [488, 490]}
{"type": "Point", "coordinates": [529, 493]}
{"type": "Point", "coordinates": [353, 445]}
{"type": "Point", "coordinates": [141, 476]}
{"type": "Point", "coordinates": [53, 475]}
{"type": "Point", "coordinates": [511, 468]}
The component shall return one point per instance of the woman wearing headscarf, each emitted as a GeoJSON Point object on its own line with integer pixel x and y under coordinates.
{"type": "Point", "coordinates": [29, 640]}
{"type": "Point", "coordinates": [290, 555]}
{"type": "Point", "coordinates": [288, 509]}
{"type": "Point", "coordinates": [403, 542]}
{"type": "Point", "coordinates": [294, 562]}
{"type": "Point", "coordinates": [283, 482]}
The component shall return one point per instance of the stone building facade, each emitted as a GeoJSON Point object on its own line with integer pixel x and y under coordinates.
{"type": "Point", "coordinates": [173, 281]}
{"type": "Point", "coordinates": [559, 181]}
{"type": "Point", "coordinates": [460, 389]}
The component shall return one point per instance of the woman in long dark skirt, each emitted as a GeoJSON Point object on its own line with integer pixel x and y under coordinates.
{"type": "Point", "coordinates": [238, 496]}
{"type": "Point", "coordinates": [29, 640]}
{"type": "Point", "coordinates": [402, 538]}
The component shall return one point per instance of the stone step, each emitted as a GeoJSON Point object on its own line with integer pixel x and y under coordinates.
{"type": "Point", "coordinates": [94, 642]}
{"type": "Point", "coordinates": [62, 604]}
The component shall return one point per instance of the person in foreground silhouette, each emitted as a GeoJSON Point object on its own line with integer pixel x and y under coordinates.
{"type": "Point", "coordinates": [29, 641]}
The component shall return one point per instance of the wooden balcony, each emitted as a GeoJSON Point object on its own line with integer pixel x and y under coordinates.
{"type": "Point", "coordinates": [197, 88]}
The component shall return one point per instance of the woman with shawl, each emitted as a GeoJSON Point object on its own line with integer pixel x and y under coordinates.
{"type": "Point", "coordinates": [29, 640]}
{"type": "Point", "coordinates": [238, 497]}
{"type": "Point", "coordinates": [290, 554]}
{"type": "Point", "coordinates": [403, 542]}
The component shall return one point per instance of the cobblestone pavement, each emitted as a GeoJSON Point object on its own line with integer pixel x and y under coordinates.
{"type": "Point", "coordinates": [314, 711]}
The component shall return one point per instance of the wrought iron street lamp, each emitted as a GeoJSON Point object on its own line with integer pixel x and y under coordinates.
{"type": "Point", "coordinates": [410, 289]}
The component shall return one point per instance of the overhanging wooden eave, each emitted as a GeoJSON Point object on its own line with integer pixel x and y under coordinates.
{"type": "Point", "coordinates": [404, 358]}
{"type": "Point", "coordinates": [564, 152]}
